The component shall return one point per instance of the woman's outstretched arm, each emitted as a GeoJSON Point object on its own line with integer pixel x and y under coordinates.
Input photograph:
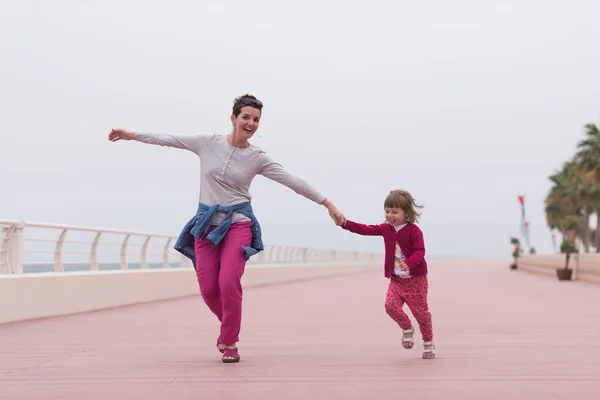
{"type": "Point", "coordinates": [192, 143]}
{"type": "Point", "coordinates": [274, 171]}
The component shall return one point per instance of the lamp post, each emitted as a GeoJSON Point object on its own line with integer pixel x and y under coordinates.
{"type": "Point", "coordinates": [521, 199]}
{"type": "Point", "coordinates": [527, 235]}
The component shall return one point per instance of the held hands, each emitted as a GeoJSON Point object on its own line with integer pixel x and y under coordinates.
{"type": "Point", "coordinates": [334, 213]}
{"type": "Point", "coordinates": [337, 216]}
{"type": "Point", "coordinates": [120, 134]}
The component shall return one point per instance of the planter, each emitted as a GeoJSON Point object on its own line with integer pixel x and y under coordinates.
{"type": "Point", "coordinates": [564, 274]}
{"type": "Point", "coordinates": [513, 266]}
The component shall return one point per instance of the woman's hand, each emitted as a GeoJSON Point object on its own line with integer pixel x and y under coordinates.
{"type": "Point", "coordinates": [337, 217]}
{"type": "Point", "coordinates": [335, 214]}
{"type": "Point", "coordinates": [120, 134]}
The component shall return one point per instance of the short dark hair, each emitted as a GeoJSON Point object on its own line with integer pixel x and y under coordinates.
{"type": "Point", "coordinates": [246, 100]}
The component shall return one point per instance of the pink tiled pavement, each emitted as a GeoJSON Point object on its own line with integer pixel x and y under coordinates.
{"type": "Point", "coordinates": [500, 334]}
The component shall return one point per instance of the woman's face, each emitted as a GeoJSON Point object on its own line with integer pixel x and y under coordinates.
{"type": "Point", "coordinates": [246, 124]}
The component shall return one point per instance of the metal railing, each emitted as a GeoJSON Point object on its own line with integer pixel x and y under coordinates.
{"type": "Point", "coordinates": [63, 248]}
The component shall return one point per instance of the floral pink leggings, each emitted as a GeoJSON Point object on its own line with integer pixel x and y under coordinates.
{"type": "Point", "coordinates": [413, 292]}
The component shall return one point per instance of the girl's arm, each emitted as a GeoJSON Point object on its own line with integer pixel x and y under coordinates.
{"type": "Point", "coordinates": [362, 229]}
{"type": "Point", "coordinates": [418, 255]}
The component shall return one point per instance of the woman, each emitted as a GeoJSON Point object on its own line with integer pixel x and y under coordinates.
{"type": "Point", "coordinates": [224, 233]}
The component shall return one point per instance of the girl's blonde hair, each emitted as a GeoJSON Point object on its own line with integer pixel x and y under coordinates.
{"type": "Point", "coordinates": [404, 200]}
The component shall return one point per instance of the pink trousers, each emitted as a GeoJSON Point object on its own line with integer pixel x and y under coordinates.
{"type": "Point", "coordinates": [413, 292]}
{"type": "Point", "coordinates": [219, 270]}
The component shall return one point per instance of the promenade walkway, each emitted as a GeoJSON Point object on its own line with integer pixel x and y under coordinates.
{"type": "Point", "coordinates": [500, 334]}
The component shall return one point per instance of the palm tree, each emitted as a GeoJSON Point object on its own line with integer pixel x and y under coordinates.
{"type": "Point", "coordinates": [588, 162]}
{"type": "Point", "coordinates": [590, 198]}
{"type": "Point", "coordinates": [566, 200]}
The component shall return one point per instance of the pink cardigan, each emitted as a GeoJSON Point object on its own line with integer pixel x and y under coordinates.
{"type": "Point", "coordinates": [410, 239]}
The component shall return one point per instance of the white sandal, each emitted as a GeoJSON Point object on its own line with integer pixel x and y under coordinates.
{"type": "Point", "coordinates": [429, 353]}
{"type": "Point", "coordinates": [408, 340]}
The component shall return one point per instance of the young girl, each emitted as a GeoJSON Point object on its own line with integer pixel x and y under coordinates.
{"type": "Point", "coordinates": [405, 265]}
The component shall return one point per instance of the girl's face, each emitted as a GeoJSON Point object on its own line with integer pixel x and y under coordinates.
{"type": "Point", "coordinates": [395, 216]}
{"type": "Point", "coordinates": [246, 124]}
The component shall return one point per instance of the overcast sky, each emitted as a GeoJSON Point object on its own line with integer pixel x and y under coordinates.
{"type": "Point", "coordinates": [465, 105]}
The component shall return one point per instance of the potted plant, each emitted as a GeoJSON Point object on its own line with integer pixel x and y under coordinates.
{"type": "Point", "coordinates": [567, 247]}
{"type": "Point", "coordinates": [569, 226]}
{"type": "Point", "coordinates": [516, 251]}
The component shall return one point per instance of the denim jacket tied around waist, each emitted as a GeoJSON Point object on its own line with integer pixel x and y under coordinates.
{"type": "Point", "coordinates": [199, 225]}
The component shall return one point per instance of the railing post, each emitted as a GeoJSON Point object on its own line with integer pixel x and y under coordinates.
{"type": "Point", "coordinates": [11, 252]}
{"type": "Point", "coordinates": [269, 258]}
{"type": "Point", "coordinates": [144, 255]}
{"type": "Point", "coordinates": [58, 258]}
{"type": "Point", "coordinates": [15, 252]}
{"type": "Point", "coordinates": [94, 253]}
{"type": "Point", "coordinates": [165, 257]}
{"type": "Point", "coordinates": [3, 261]}
{"type": "Point", "coordinates": [124, 252]}
{"type": "Point", "coordinates": [286, 254]}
